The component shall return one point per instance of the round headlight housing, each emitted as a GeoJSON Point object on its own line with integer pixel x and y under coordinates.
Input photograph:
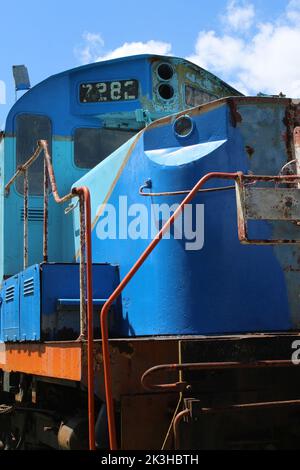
{"type": "Point", "coordinates": [166, 91]}
{"type": "Point", "coordinates": [165, 71]}
{"type": "Point", "coordinates": [183, 126]}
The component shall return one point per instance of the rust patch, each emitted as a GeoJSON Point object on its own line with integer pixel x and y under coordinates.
{"type": "Point", "coordinates": [154, 59]}
{"type": "Point", "coordinates": [291, 269]}
{"type": "Point", "coordinates": [291, 120]}
{"type": "Point", "coordinates": [297, 136]}
{"type": "Point", "coordinates": [250, 150]}
{"type": "Point", "coordinates": [235, 115]}
{"type": "Point", "coordinates": [124, 348]}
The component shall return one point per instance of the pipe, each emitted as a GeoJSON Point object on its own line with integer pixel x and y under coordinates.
{"type": "Point", "coordinates": [123, 284]}
{"type": "Point", "coordinates": [25, 255]}
{"type": "Point", "coordinates": [84, 193]}
{"type": "Point", "coordinates": [251, 406]}
{"type": "Point", "coordinates": [176, 423]}
{"type": "Point", "coordinates": [82, 270]}
{"type": "Point", "coordinates": [181, 386]}
{"type": "Point", "coordinates": [24, 167]}
{"type": "Point", "coordinates": [278, 179]}
{"type": "Point", "coordinates": [181, 193]}
{"type": "Point", "coordinates": [84, 196]}
{"type": "Point", "coordinates": [46, 206]}
{"type": "Point", "coordinates": [44, 145]}
{"type": "Point", "coordinates": [297, 149]}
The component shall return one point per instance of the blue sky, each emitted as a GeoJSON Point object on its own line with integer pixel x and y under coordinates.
{"type": "Point", "coordinates": [254, 45]}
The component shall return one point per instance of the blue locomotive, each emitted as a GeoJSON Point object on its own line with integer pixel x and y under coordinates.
{"type": "Point", "coordinates": [193, 190]}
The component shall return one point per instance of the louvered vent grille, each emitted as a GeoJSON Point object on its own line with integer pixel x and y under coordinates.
{"type": "Point", "coordinates": [28, 288]}
{"type": "Point", "coordinates": [10, 294]}
{"type": "Point", "coordinates": [33, 215]}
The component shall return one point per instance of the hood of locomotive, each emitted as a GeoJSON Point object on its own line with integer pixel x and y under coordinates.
{"type": "Point", "coordinates": [202, 281]}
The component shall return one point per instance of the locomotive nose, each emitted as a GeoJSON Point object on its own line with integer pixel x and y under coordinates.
{"type": "Point", "coordinates": [186, 138]}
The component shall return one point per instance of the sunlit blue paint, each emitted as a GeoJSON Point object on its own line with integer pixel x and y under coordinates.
{"type": "Point", "coordinates": [110, 167]}
{"type": "Point", "coordinates": [225, 287]}
{"type": "Point", "coordinates": [175, 156]}
{"type": "Point", "coordinates": [58, 98]}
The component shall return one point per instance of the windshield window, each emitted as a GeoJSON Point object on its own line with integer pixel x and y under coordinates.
{"type": "Point", "coordinates": [92, 145]}
{"type": "Point", "coordinates": [30, 129]}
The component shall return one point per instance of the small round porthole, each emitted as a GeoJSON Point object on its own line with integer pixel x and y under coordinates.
{"type": "Point", "coordinates": [183, 126]}
{"type": "Point", "coordinates": [165, 71]}
{"type": "Point", "coordinates": [166, 91]}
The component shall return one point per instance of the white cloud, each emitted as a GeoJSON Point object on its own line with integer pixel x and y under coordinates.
{"type": "Point", "coordinates": [267, 61]}
{"type": "Point", "coordinates": [2, 92]}
{"type": "Point", "coordinates": [90, 47]}
{"type": "Point", "coordinates": [238, 16]}
{"type": "Point", "coordinates": [293, 11]}
{"type": "Point", "coordinates": [132, 48]}
{"type": "Point", "coordinates": [223, 53]}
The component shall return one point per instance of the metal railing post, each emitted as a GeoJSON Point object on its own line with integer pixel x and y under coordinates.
{"type": "Point", "coordinates": [82, 269]}
{"type": "Point", "coordinates": [86, 291]}
{"type": "Point", "coordinates": [106, 307]}
{"type": "Point", "coordinates": [25, 253]}
{"type": "Point", "coordinates": [46, 203]}
{"type": "Point", "coordinates": [84, 194]}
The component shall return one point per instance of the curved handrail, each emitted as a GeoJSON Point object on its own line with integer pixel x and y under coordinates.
{"type": "Point", "coordinates": [105, 309]}
{"type": "Point", "coordinates": [190, 366]}
{"type": "Point", "coordinates": [83, 194]}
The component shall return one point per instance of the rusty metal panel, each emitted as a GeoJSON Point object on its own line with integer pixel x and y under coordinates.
{"type": "Point", "coordinates": [272, 203]}
{"type": "Point", "coordinates": [145, 420]}
{"type": "Point", "coordinates": [129, 360]}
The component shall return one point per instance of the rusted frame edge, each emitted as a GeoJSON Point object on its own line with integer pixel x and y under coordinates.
{"type": "Point", "coordinates": [241, 209]}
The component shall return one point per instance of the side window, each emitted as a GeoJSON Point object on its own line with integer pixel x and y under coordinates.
{"type": "Point", "coordinates": [29, 129]}
{"type": "Point", "coordinates": [92, 145]}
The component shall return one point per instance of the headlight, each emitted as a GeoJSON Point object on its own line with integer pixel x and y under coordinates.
{"type": "Point", "coordinates": [183, 126]}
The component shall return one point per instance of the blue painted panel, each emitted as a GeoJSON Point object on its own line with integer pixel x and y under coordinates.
{"type": "Point", "coordinates": [10, 309]}
{"type": "Point", "coordinates": [61, 281]}
{"type": "Point", "coordinates": [224, 287]}
{"type": "Point", "coordinates": [42, 302]}
{"type": "Point", "coordinates": [1, 206]}
{"type": "Point", "coordinates": [30, 309]}
{"type": "Point", "coordinates": [11, 227]}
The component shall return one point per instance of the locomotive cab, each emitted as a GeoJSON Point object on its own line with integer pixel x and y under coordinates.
{"type": "Point", "coordinates": [84, 114]}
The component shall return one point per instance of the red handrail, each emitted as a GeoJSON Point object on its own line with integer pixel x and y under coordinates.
{"type": "Point", "coordinates": [123, 284]}
{"type": "Point", "coordinates": [85, 193]}
{"type": "Point", "coordinates": [86, 245]}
